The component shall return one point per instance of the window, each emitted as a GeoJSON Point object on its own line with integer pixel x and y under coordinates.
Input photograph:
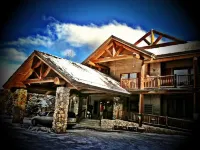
{"type": "Point", "coordinates": [124, 76]}
{"type": "Point", "coordinates": [133, 75]}
{"type": "Point", "coordinates": [128, 75]}
{"type": "Point", "coordinates": [183, 76]}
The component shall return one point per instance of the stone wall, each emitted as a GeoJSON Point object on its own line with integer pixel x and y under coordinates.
{"type": "Point", "coordinates": [110, 124]}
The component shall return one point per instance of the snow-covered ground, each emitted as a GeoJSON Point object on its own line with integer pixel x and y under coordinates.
{"type": "Point", "coordinates": [82, 139]}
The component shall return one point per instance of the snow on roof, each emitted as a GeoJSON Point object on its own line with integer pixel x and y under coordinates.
{"type": "Point", "coordinates": [193, 45]}
{"type": "Point", "coordinates": [84, 74]}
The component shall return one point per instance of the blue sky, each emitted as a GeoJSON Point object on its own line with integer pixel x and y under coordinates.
{"type": "Point", "coordinates": [74, 29]}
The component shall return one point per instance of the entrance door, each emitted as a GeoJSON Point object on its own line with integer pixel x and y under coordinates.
{"type": "Point", "coordinates": [108, 109]}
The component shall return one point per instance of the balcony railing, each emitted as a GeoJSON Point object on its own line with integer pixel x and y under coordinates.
{"type": "Point", "coordinates": [168, 81]}
{"type": "Point", "coordinates": [130, 83]}
{"type": "Point", "coordinates": [161, 81]}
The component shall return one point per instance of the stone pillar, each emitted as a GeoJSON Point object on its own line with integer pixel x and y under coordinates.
{"type": "Point", "coordinates": [59, 124]}
{"type": "Point", "coordinates": [117, 108]}
{"type": "Point", "coordinates": [19, 98]}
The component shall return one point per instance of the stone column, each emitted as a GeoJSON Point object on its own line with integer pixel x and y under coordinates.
{"type": "Point", "coordinates": [19, 98]}
{"type": "Point", "coordinates": [61, 110]}
{"type": "Point", "coordinates": [117, 108]}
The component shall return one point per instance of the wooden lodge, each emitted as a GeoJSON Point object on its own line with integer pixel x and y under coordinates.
{"type": "Point", "coordinates": [154, 81]}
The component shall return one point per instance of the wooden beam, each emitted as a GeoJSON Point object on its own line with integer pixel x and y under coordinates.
{"type": "Point", "coordinates": [37, 64]}
{"type": "Point", "coordinates": [28, 73]}
{"type": "Point", "coordinates": [159, 45]}
{"type": "Point", "coordinates": [169, 37]}
{"type": "Point", "coordinates": [18, 85]}
{"type": "Point", "coordinates": [99, 54]}
{"type": "Point", "coordinates": [91, 92]}
{"type": "Point", "coordinates": [142, 38]}
{"type": "Point", "coordinates": [59, 81]}
{"type": "Point", "coordinates": [157, 40]}
{"type": "Point", "coordinates": [109, 52]}
{"type": "Point", "coordinates": [91, 63]}
{"type": "Point", "coordinates": [148, 43]}
{"type": "Point", "coordinates": [131, 49]}
{"type": "Point", "coordinates": [112, 58]}
{"type": "Point", "coordinates": [119, 51]}
{"type": "Point", "coordinates": [41, 71]}
{"type": "Point", "coordinates": [45, 89]}
{"type": "Point", "coordinates": [136, 55]}
{"type": "Point", "coordinates": [172, 58]}
{"type": "Point", "coordinates": [36, 74]}
{"type": "Point", "coordinates": [32, 81]}
{"type": "Point", "coordinates": [46, 72]}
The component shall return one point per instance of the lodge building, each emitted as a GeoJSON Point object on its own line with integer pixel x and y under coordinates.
{"type": "Point", "coordinates": [153, 81]}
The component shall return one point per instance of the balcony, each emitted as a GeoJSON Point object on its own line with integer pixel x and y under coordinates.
{"type": "Point", "coordinates": [130, 83]}
{"type": "Point", "coordinates": [168, 81]}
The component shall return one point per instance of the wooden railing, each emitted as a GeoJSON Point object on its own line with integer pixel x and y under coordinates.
{"type": "Point", "coordinates": [168, 81]}
{"type": "Point", "coordinates": [161, 81]}
{"type": "Point", "coordinates": [162, 121]}
{"type": "Point", "coordinates": [130, 83]}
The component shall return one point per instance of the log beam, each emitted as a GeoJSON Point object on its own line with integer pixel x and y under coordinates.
{"type": "Point", "coordinates": [142, 38]}
{"type": "Point", "coordinates": [46, 72]}
{"type": "Point", "coordinates": [157, 40]}
{"type": "Point", "coordinates": [32, 81]}
{"type": "Point", "coordinates": [59, 81]}
{"type": "Point", "coordinates": [37, 64]}
{"type": "Point", "coordinates": [112, 58]}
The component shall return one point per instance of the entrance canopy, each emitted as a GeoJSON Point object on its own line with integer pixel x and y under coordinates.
{"type": "Point", "coordinates": [42, 73]}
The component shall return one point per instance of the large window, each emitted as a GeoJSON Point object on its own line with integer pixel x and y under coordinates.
{"type": "Point", "coordinates": [184, 76]}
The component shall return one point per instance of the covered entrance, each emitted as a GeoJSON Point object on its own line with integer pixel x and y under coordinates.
{"type": "Point", "coordinates": [46, 74]}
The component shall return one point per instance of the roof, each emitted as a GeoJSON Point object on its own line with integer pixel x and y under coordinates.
{"type": "Point", "coordinates": [76, 72]}
{"type": "Point", "coordinates": [114, 38]}
{"type": "Point", "coordinates": [192, 46]}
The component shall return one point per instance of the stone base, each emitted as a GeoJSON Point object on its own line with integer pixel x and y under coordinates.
{"type": "Point", "coordinates": [117, 124]}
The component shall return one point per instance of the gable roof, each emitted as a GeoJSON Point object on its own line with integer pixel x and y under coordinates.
{"type": "Point", "coordinates": [78, 74]}
{"type": "Point", "coordinates": [122, 42]}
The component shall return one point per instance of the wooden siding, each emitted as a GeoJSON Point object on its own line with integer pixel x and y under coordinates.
{"type": "Point", "coordinates": [124, 66]}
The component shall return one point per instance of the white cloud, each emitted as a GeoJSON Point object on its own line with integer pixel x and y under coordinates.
{"type": "Point", "coordinates": [37, 40]}
{"type": "Point", "coordinates": [13, 54]}
{"type": "Point", "coordinates": [93, 36]}
{"type": "Point", "coordinates": [68, 53]}
{"type": "Point", "coordinates": [61, 35]}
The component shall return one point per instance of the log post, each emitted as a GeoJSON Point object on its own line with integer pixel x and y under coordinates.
{"type": "Point", "coordinates": [141, 109]}
{"type": "Point", "coordinates": [19, 100]}
{"type": "Point", "coordinates": [59, 124]}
